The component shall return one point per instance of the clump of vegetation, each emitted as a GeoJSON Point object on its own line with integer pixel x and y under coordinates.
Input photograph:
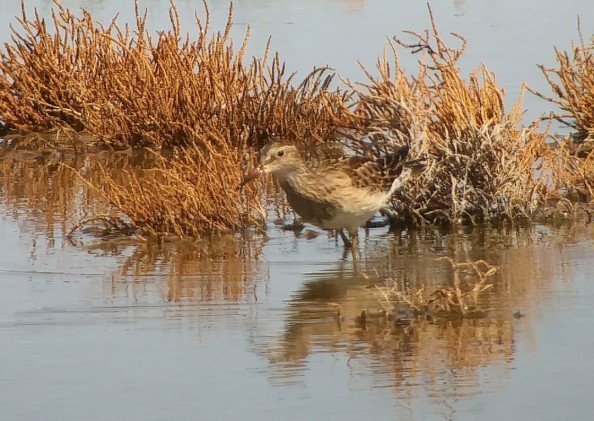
{"type": "Point", "coordinates": [481, 165]}
{"type": "Point", "coordinates": [460, 299]}
{"type": "Point", "coordinates": [572, 82]}
{"type": "Point", "coordinates": [124, 88]}
{"type": "Point", "coordinates": [129, 89]}
{"type": "Point", "coordinates": [192, 193]}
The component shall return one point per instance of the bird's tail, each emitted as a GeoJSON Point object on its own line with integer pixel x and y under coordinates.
{"type": "Point", "coordinates": [394, 163]}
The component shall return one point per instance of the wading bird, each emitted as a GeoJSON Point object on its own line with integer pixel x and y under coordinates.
{"type": "Point", "coordinates": [337, 193]}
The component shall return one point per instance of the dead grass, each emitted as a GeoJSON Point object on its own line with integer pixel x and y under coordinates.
{"type": "Point", "coordinates": [481, 163]}
{"type": "Point", "coordinates": [122, 86]}
{"type": "Point", "coordinates": [192, 193]}
{"type": "Point", "coordinates": [572, 176]}
{"type": "Point", "coordinates": [127, 87]}
{"type": "Point", "coordinates": [572, 84]}
{"type": "Point", "coordinates": [131, 194]}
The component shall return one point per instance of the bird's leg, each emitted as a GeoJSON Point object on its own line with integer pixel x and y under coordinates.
{"type": "Point", "coordinates": [354, 242]}
{"type": "Point", "coordinates": [347, 243]}
{"type": "Point", "coordinates": [296, 225]}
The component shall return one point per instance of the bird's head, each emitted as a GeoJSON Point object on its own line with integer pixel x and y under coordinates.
{"type": "Point", "coordinates": [278, 159]}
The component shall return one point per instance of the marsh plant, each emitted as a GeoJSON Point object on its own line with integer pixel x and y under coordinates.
{"type": "Point", "coordinates": [130, 88]}
{"type": "Point", "coordinates": [572, 86]}
{"type": "Point", "coordinates": [481, 162]}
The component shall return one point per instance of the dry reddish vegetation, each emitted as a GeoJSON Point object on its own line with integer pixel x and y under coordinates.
{"type": "Point", "coordinates": [204, 98]}
{"type": "Point", "coordinates": [481, 162]}
{"type": "Point", "coordinates": [191, 194]}
{"type": "Point", "coordinates": [572, 84]}
{"type": "Point", "coordinates": [126, 88]}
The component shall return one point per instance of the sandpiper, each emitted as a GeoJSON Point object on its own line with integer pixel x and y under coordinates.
{"type": "Point", "coordinates": [338, 193]}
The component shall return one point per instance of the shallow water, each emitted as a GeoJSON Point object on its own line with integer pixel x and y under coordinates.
{"type": "Point", "coordinates": [265, 327]}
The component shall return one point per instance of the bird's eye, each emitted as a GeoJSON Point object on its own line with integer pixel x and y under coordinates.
{"type": "Point", "coordinates": [280, 153]}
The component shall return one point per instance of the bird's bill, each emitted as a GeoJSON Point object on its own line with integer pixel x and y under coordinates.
{"type": "Point", "coordinates": [251, 176]}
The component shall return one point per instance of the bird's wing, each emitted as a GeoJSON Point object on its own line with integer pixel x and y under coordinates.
{"type": "Point", "coordinates": [378, 173]}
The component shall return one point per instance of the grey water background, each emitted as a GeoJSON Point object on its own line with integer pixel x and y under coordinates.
{"type": "Point", "coordinates": [84, 336]}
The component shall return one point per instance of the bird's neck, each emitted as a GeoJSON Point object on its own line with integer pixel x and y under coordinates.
{"type": "Point", "coordinates": [286, 174]}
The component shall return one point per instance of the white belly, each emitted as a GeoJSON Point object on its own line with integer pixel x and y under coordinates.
{"type": "Point", "coordinates": [333, 202]}
{"type": "Point", "coordinates": [355, 211]}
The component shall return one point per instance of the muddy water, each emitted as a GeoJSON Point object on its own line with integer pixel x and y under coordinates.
{"type": "Point", "coordinates": [266, 327]}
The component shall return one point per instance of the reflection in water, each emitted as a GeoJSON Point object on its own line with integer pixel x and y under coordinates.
{"type": "Point", "coordinates": [36, 187]}
{"type": "Point", "coordinates": [48, 199]}
{"type": "Point", "coordinates": [218, 270]}
{"type": "Point", "coordinates": [441, 357]}
{"type": "Point", "coordinates": [41, 187]}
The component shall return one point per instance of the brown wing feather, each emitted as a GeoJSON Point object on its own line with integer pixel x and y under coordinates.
{"type": "Point", "coordinates": [378, 173]}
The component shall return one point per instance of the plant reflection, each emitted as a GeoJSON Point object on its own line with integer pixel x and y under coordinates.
{"type": "Point", "coordinates": [220, 269]}
{"type": "Point", "coordinates": [41, 191]}
{"type": "Point", "coordinates": [340, 311]}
